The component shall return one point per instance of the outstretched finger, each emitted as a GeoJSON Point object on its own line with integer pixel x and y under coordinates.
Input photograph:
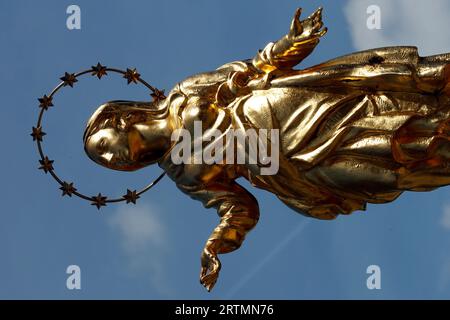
{"type": "Point", "coordinates": [316, 14]}
{"type": "Point", "coordinates": [323, 32]}
{"type": "Point", "coordinates": [298, 13]}
{"type": "Point", "coordinates": [296, 26]}
{"type": "Point", "coordinates": [319, 11]}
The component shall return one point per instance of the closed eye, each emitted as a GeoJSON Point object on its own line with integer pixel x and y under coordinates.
{"type": "Point", "coordinates": [102, 145]}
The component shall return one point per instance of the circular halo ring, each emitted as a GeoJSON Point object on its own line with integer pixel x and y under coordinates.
{"type": "Point", "coordinates": [67, 188]}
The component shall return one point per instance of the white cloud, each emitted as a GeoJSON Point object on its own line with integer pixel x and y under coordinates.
{"type": "Point", "coordinates": [445, 219]}
{"type": "Point", "coordinates": [144, 241]}
{"type": "Point", "coordinates": [403, 22]}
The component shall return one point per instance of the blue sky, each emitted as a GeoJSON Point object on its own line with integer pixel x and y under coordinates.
{"type": "Point", "coordinates": [152, 250]}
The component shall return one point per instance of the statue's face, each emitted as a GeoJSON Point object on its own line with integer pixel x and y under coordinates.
{"type": "Point", "coordinates": [110, 148]}
{"type": "Point", "coordinates": [130, 142]}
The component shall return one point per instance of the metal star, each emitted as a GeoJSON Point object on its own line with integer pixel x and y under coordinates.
{"type": "Point", "coordinates": [69, 79]}
{"type": "Point", "coordinates": [131, 196]}
{"type": "Point", "coordinates": [99, 201]}
{"type": "Point", "coordinates": [158, 95]}
{"type": "Point", "coordinates": [99, 70]}
{"type": "Point", "coordinates": [37, 134]}
{"type": "Point", "coordinates": [45, 102]}
{"type": "Point", "coordinates": [46, 164]}
{"type": "Point", "coordinates": [131, 76]}
{"type": "Point", "coordinates": [67, 189]}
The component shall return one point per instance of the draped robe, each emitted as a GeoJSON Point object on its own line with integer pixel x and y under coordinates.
{"type": "Point", "coordinates": [358, 129]}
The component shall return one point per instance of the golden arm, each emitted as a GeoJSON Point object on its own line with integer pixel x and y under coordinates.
{"type": "Point", "coordinates": [239, 213]}
{"type": "Point", "coordinates": [303, 37]}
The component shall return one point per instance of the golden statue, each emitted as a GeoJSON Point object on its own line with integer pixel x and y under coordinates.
{"type": "Point", "coordinates": [358, 129]}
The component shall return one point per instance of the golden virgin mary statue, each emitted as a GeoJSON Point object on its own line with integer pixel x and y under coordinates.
{"type": "Point", "coordinates": [358, 129]}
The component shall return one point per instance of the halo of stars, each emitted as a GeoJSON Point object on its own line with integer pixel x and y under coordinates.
{"type": "Point", "coordinates": [46, 164]}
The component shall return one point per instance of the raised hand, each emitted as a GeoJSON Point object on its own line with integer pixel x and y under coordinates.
{"type": "Point", "coordinates": [310, 29]}
{"type": "Point", "coordinates": [291, 49]}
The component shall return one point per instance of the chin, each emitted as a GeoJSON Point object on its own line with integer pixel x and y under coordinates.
{"type": "Point", "coordinates": [124, 167]}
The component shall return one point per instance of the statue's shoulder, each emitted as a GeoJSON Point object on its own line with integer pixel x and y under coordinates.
{"type": "Point", "coordinates": [236, 66]}
{"type": "Point", "coordinates": [199, 83]}
{"type": "Point", "coordinates": [202, 83]}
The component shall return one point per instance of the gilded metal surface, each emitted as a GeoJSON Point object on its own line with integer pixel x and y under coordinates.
{"type": "Point", "coordinates": [358, 129]}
